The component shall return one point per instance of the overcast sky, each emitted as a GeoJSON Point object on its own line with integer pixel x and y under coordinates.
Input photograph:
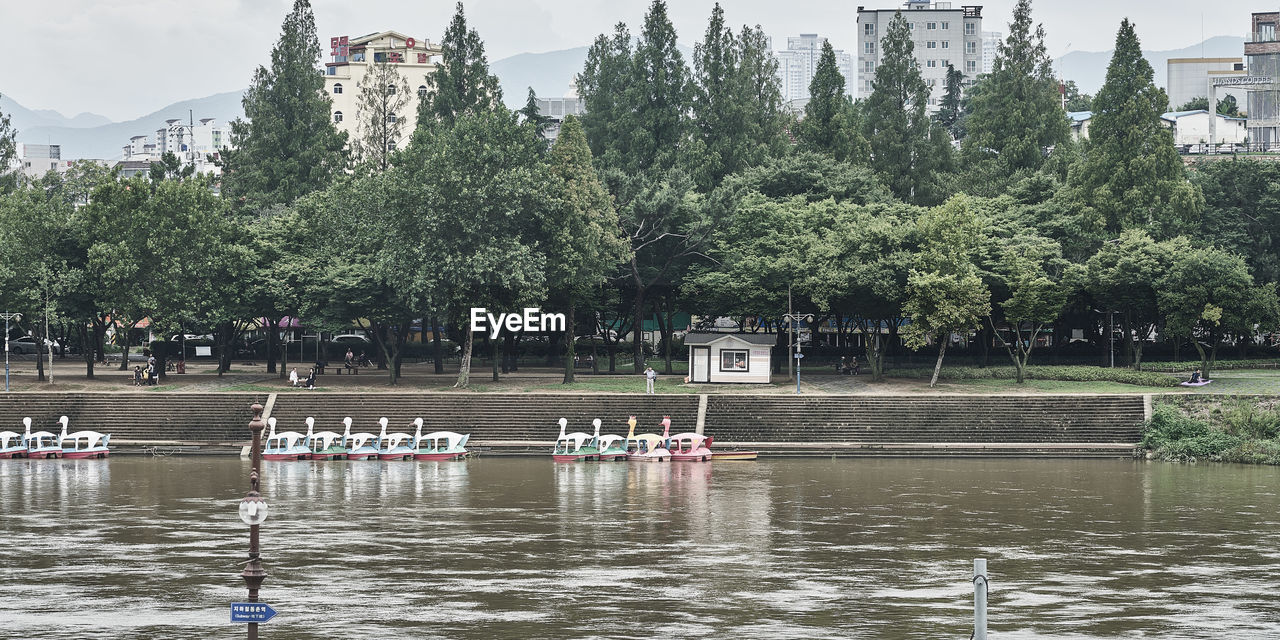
{"type": "Point", "coordinates": [126, 58]}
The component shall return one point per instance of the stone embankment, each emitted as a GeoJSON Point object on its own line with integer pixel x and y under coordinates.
{"type": "Point", "coordinates": [1040, 425]}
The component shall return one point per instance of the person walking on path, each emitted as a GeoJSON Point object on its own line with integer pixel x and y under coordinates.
{"type": "Point", "coordinates": [293, 377]}
{"type": "Point", "coordinates": [649, 377]}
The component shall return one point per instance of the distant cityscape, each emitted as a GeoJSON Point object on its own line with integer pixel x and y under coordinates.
{"type": "Point", "coordinates": [943, 35]}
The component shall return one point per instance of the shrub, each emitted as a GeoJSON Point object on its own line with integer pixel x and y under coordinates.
{"type": "Point", "coordinates": [1245, 417]}
{"type": "Point", "coordinates": [1210, 446]}
{"type": "Point", "coordinates": [1067, 373]}
{"type": "Point", "coordinates": [1169, 424]}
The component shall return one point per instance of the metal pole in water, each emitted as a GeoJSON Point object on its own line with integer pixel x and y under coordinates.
{"type": "Point", "coordinates": [979, 599]}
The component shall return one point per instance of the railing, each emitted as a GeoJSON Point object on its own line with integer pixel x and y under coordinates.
{"type": "Point", "coordinates": [1228, 148]}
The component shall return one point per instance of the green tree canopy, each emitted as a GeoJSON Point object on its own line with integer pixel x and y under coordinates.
{"type": "Point", "coordinates": [830, 123]}
{"type": "Point", "coordinates": [1019, 113]}
{"type": "Point", "coordinates": [461, 83]}
{"type": "Point", "coordinates": [289, 146]}
{"type": "Point", "coordinates": [1131, 174]}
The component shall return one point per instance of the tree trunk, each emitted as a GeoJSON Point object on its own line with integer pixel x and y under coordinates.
{"type": "Point", "coordinates": [437, 354]}
{"type": "Point", "coordinates": [570, 348]}
{"type": "Point", "coordinates": [1204, 358]}
{"type": "Point", "coordinates": [124, 347]}
{"type": "Point", "coordinates": [937, 368]}
{"type": "Point", "coordinates": [664, 331]}
{"type": "Point", "coordinates": [637, 346]}
{"type": "Point", "coordinates": [273, 333]}
{"type": "Point", "coordinates": [464, 367]}
{"type": "Point", "coordinates": [595, 356]}
{"type": "Point", "coordinates": [495, 346]}
{"type": "Point", "coordinates": [86, 350]}
{"type": "Point", "coordinates": [99, 336]}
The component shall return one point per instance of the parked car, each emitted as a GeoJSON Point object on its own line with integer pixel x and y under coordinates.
{"type": "Point", "coordinates": [351, 338]}
{"type": "Point", "coordinates": [27, 344]}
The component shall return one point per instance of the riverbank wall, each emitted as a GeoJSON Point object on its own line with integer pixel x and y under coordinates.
{"type": "Point", "coordinates": [848, 425]}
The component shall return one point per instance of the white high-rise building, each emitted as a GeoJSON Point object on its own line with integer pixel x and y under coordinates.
{"type": "Point", "coordinates": [941, 35]}
{"type": "Point", "coordinates": [990, 42]}
{"type": "Point", "coordinates": [352, 58]}
{"type": "Point", "coordinates": [797, 64]}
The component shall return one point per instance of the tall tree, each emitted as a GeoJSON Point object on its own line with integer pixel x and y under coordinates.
{"type": "Point", "coordinates": [289, 146]}
{"type": "Point", "coordinates": [462, 82]}
{"type": "Point", "coordinates": [1122, 277]}
{"type": "Point", "coordinates": [8, 151]}
{"type": "Point", "coordinates": [383, 94]}
{"type": "Point", "coordinates": [907, 149]}
{"type": "Point", "coordinates": [1076, 101]}
{"type": "Point", "coordinates": [1019, 114]}
{"type": "Point", "coordinates": [829, 124]}
{"type": "Point", "coordinates": [660, 98]}
{"type": "Point", "coordinates": [945, 294]}
{"type": "Point", "coordinates": [1131, 174]}
{"type": "Point", "coordinates": [582, 240]}
{"type": "Point", "coordinates": [949, 108]}
{"type": "Point", "coordinates": [532, 115]}
{"type": "Point", "coordinates": [1032, 271]}
{"type": "Point", "coordinates": [604, 84]}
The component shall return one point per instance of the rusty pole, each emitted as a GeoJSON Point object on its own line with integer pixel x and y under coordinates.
{"type": "Point", "coordinates": [253, 573]}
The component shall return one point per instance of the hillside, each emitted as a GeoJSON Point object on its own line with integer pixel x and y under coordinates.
{"type": "Point", "coordinates": [105, 140]}
{"type": "Point", "coordinates": [1089, 68]}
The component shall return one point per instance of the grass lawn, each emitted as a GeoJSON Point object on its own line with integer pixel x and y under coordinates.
{"type": "Point", "coordinates": [1042, 386]}
{"type": "Point", "coordinates": [1263, 381]}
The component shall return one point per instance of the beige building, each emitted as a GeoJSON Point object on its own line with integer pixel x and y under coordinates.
{"type": "Point", "coordinates": [1189, 78]}
{"type": "Point", "coordinates": [414, 58]}
{"type": "Point", "coordinates": [943, 34]}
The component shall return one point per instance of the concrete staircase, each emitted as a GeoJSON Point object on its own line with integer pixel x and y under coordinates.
{"type": "Point", "coordinates": [1062, 425]}
{"type": "Point", "coordinates": [214, 421]}
{"type": "Point", "coordinates": [1039, 425]}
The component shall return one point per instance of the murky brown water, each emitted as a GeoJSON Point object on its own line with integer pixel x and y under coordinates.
{"type": "Point", "coordinates": [524, 548]}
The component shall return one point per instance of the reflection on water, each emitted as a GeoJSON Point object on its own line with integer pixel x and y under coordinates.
{"type": "Point", "coordinates": [516, 548]}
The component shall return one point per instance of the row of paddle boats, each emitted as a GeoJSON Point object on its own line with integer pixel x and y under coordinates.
{"type": "Point", "coordinates": [45, 444]}
{"type": "Point", "coordinates": [645, 447]}
{"type": "Point", "coordinates": [330, 445]}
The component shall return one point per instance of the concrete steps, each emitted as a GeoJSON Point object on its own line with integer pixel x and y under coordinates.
{"type": "Point", "coordinates": [1062, 426]}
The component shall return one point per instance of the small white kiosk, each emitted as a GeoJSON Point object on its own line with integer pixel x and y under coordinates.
{"type": "Point", "coordinates": [730, 357]}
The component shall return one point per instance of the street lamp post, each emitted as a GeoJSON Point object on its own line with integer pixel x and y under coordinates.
{"type": "Point", "coordinates": [792, 319]}
{"type": "Point", "coordinates": [253, 511]}
{"type": "Point", "coordinates": [7, 317]}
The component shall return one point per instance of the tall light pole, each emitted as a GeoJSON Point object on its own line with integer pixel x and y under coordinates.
{"type": "Point", "coordinates": [253, 511]}
{"type": "Point", "coordinates": [7, 317]}
{"type": "Point", "coordinates": [792, 319]}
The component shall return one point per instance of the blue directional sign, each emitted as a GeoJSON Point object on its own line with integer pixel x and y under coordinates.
{"type": "Point", "coordinates": [251, 612]}
{"type": "Point", "coordinates": [799, 355]}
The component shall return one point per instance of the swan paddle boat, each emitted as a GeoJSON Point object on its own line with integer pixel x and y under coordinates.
{"type": "Point", "coordinates": [324, 445]}
{"type": "Point", "coordinates": [439, 445]}
{"type": "Point", "coordinates": [286, 445]}
{"type": "Point", "coordinates": [359, 446]}
{"type": "Point", "coordinates": [83, 444]}
{"type": "Point", "coordinates": [41, 444]}
{"type": "Point", "coordinates": [690, 447]}
{"type": "Point", "coordinates": [14, 444]}
{"type": "Point", "coordinates": [648, 447]}
{"type": "Point", "coordinates": [574, 447]}
{"type": "Point", "coordinates": [611, 447]}
{"type": "Point", "coordinates": [394, 446]}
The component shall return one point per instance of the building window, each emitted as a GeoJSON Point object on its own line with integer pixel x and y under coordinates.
{"type": "Point", "coordinates": [391, 89]}
{"type": "Point", "coordinates": [945, 63]}
{"type": "Point", "coordinates": [946, 26]}
{"type": "Point", "coordinates": [733, 360]}
{"type": "Point", "coordinates": [911, 25]}
{"type": "Point", "coordinates": [337, 116]}
{"type": "Point", "coordinates": [971, 47]}
{"type": "Point", "coordinates": [869, 48]}
{"type": "Point", "coordinates": [391, 117]}
{"type": "Point", "coordinates": [391, 145]}
{"type": "Point", "coordinates": [378, 56]}
{"type": "Point", "coordinates": [932, 44]}
{"type": "Point", "coordinates": [333, 71]}
{"type": "Point", "coordinates": [422, 91]}
{"type": "Point", "coordinates": [969, 29]}
{"type": "Point", "coordinates": [931, 63]}
{"type": "Point", "coordinates": [337, 87]}
{"type": "Point", "coordinates": [970, 66]}
{"type": "Point", "coordinates": [946, 44]}
{"type": "Point", "coordinates": [869, 29]}
{"type": "Point", "coordinates": [932, 26]}
{"type": "Point", "coordinates": [869, 67]}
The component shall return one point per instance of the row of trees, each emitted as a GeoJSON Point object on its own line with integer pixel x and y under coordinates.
{"type": "Point", "coordinates": [681, 188]}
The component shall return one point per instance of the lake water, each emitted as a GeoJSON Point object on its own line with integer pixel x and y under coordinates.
{"type": "Point", "coordinates": [525, 548]}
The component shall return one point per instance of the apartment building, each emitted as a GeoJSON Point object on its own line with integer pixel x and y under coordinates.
{"type": "Point", "coordinates": [941, 34]}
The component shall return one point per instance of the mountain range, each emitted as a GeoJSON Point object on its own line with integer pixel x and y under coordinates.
{"type": "Point", "coordinates": [89, 135]}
